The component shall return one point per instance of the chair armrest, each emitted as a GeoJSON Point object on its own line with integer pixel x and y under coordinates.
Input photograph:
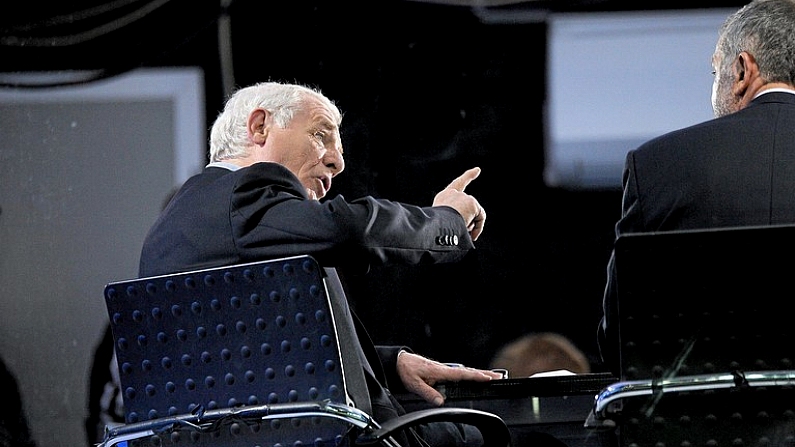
{"type": "Point", "coordinates": [494, 430]}
{"type": "Point", "coordinates": [622, 390]}
{"type": "Point", "coordinates": [210, 420]}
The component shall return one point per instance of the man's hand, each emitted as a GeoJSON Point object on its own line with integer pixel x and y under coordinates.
{"type": "Point", "coordinates": [420, 374]}
{"type": "Point", "coordinates": [467, 206]}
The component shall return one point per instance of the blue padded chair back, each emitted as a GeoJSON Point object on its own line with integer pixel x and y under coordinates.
{"type": "Point", "coordinates": [250, 334]}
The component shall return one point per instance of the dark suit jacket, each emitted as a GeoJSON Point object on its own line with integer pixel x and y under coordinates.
{"type": "Point", "coordinates": [736, 170]}
{"type": "Point", "coordinates": [222, 217]}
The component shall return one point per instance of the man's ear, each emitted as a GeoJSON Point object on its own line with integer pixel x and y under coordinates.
{"type": "Point", "coordinates": [258, 125]}
{"type": "Point", "coordinates": [745, 72]}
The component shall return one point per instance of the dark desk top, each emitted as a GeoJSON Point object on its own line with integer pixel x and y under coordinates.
{"type": "Point", "coordinates": [525, 400]}
{"type": "Point", "coordinates": [545, 386]}
{"type": "Point", "coordinates": [556, 405]}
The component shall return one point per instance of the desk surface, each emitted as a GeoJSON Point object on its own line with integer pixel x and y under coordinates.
{"type": "Point", "coordinates": [546, 386]}
{"type": "Point", "coordinates": [556, 405]}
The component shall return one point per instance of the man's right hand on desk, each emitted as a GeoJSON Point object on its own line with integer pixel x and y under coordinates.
{"type": "Point", "coordinates": [420, 374]}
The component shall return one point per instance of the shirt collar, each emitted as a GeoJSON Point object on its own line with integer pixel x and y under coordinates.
{"type": "Point", "coordinates": [775, 90]}
{"type": "Point", "coordinates": [224, 165]}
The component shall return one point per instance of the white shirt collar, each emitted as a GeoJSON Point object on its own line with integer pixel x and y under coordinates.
{"type": "Point", "coordinates": [775, 90]}
{"type": "Point", "coordinates": [223, 164]}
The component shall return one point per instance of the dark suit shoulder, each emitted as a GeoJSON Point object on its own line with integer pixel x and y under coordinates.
{"type": "Point", "coordinates": [268, 175]}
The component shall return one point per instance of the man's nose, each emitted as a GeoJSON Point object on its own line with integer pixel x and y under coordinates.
{"type": "Point", "coordinates": [333, 159]}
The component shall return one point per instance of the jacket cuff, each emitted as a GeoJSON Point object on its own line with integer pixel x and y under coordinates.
{"type": "Point", "coordinates": [389, 356]}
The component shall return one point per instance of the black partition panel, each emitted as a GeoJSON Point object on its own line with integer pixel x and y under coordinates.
{"type": "Point", "coordinates": [704, 301]}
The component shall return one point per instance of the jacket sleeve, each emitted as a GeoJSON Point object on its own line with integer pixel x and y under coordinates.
{"type": "Point", "coordinates": [631, 221]}
{"type": "Point", "coordinates": [388, 356]}
{"type": "Point", "coordinates": [274, 218]}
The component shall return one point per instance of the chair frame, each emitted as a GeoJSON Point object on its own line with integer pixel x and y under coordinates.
{"type": "Point", "coordinates": [217, 411]}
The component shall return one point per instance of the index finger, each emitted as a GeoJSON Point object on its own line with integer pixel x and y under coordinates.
{"type": "Point", "coordinates": [461, 182]}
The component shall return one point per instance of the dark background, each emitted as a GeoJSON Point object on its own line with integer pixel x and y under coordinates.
{"type": "Point", "coordinates": [428, 90]}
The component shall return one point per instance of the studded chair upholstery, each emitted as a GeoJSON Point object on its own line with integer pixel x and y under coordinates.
{"type": "Point", "coordinates": [707, 348]}
{"type": "Point", "coordinates": [246, 355]}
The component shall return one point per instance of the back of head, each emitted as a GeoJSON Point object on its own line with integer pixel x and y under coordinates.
{"type": "Point", "coordinates": [766, 30]}
{"type": "Point", "coordinates": [540, 352]}
{"type": "Point", "coordinates": [229, 134]}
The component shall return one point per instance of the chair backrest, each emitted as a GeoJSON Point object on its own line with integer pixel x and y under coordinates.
{"type": "Point", "coordinates": [704, 301]}
{"type": "Point", "coordinates": [694, 307]}
{"type": "Point", "coordinates": [249, 334]}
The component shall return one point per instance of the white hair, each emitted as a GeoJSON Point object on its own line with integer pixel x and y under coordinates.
{"type": "Point", "coordinates": [229, 134]}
